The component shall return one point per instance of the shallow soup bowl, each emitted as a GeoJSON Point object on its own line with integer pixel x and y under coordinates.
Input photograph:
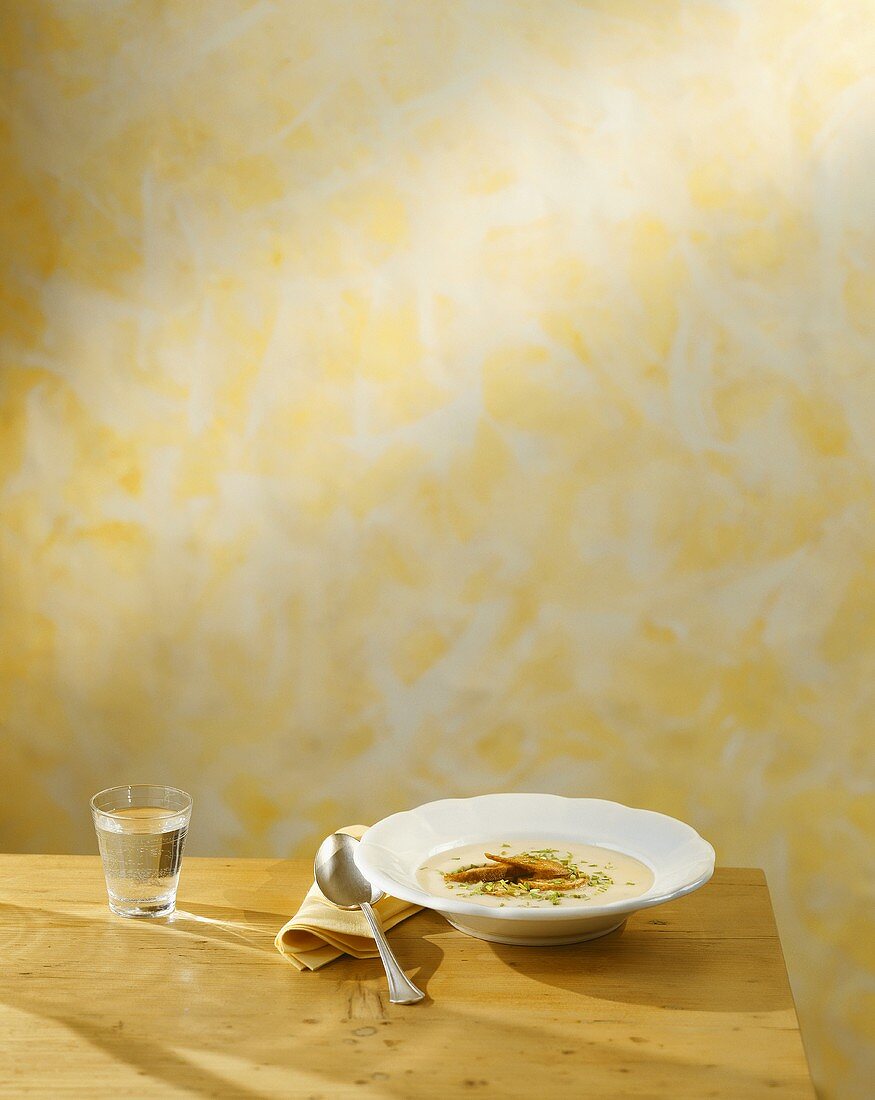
{"type": "Point", "coordinates": [393, 850]}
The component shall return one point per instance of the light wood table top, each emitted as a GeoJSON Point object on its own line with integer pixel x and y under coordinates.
{"type": "Point", "coordinates": [690, 1000]}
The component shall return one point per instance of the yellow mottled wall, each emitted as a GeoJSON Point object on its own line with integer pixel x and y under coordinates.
{"type": "Point", "coordinates": [412, 399]}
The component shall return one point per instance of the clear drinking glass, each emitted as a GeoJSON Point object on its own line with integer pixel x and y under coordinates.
{"type": "Point", "coordinates": [141, 832]}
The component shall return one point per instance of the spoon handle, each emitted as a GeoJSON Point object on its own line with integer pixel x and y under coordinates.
{"type": "Point", "coordinates": [402, 991]}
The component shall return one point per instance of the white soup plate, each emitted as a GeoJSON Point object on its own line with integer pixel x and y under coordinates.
{"type": "Point", "coordinates": [392, 850]}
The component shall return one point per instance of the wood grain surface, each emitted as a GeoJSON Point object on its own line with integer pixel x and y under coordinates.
{"type": "Point", "coordinates": [690, 1000]}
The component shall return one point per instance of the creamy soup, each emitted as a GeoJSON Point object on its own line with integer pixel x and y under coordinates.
{"type": "Point", "coordinates": [534, 873]}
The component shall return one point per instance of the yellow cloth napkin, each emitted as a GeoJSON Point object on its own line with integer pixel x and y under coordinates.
{"type": "Point", "coordinates": [319, 932]}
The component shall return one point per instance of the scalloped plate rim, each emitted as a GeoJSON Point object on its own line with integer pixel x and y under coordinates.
{"type": "Point", "coordinates": [373, 868]}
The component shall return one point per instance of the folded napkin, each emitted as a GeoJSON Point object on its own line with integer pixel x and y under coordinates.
{"type": "Point", "coordinates": [319, 932]}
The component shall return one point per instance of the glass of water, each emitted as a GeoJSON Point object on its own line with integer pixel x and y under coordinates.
{"type": "Point", "coordinates": [141, 832]}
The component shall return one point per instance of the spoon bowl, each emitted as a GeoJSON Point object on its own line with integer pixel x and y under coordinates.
{"type": "Point", "coordinates": [338, 877]}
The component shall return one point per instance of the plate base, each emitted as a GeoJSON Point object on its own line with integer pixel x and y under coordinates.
{"type": "Point", "coordinates": [536, 941]}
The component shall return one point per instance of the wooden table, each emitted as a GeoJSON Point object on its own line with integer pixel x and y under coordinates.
{"type": "Point", "coordinates": [691, 1000]}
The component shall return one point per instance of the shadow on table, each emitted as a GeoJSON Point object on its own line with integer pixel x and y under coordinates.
{"type": "Point", "coordinates": [162, 1017]}
{"type": "Point", "coordinates": [413, 942]}
{"type": "Point", "coordinates": [266, 1030]}
{"type": "Point", "coordinates": [95, 1020]}
{"type": "Point", "coordinates": [635, 965]}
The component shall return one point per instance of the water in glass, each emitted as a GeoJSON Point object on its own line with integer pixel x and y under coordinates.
{"type": "Point", "coordinates": [141, 834]}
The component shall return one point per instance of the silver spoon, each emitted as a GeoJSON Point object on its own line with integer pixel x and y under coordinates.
{"type": "Point", "coordinates": [343, 883]}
